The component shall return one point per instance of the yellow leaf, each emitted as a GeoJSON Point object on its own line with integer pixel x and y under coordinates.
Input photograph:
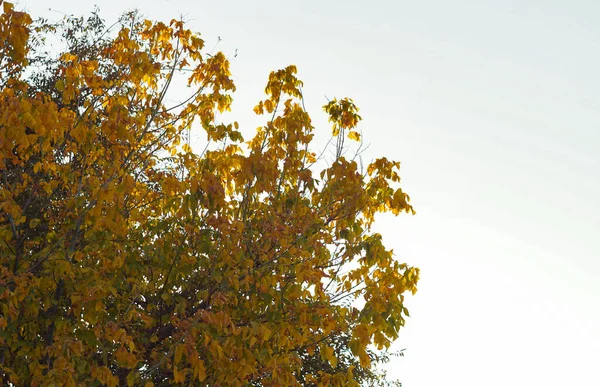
{"type": "Point", "coordinates": [60, 85]}
{"type": "Point", "coordinates": [354, 136]}
{"type": "Point", "coordinates": [178, 377]}
{"type": "Point", "coordinates": [201, 371]}
{"type": "Point", "coordinates": [8, 7]}
{"type": "Point", "coordinates": [269, 106]}
{"type": "Point", "coordinates": [179, 353]}
{"type": "Point", "coordinates": [258, 109]}
{"type": "Point", "coordinates": [329, 356]}
{"type": "Point", "coordinates": [112, 381]}
{"type": "Point", "coordinates": [130, 379]}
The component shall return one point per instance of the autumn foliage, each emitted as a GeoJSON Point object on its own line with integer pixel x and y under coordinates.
{"type": "Point", "coordinates": [128, 258]}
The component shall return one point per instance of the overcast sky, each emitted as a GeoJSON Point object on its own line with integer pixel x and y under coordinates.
{"type": "Point", "coordinates": [493, 109]}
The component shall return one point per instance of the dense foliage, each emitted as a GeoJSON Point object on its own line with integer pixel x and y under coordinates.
{"type": "Point", "coordinates": [129, 259]}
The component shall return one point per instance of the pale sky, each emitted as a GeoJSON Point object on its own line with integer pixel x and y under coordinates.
{"type": "Point", "coordinates": [493, 109]}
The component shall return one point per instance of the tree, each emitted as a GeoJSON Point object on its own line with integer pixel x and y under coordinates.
{"type": "Point", "coordinates": [129, 259]}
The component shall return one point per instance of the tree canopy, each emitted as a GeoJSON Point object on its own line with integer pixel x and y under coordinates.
{"type": "Point", "coordinates": [129, 258]}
